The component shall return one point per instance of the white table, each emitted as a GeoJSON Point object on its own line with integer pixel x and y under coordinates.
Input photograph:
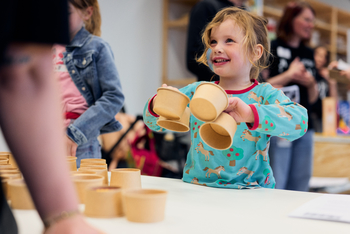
{"type": "Point", "coordinates": [198, 209]}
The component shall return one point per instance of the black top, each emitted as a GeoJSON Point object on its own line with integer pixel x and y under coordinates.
{"type": "Point", "coordinates": [282, 57]}
{"type": "Point", "coordinates": [323, 89]}
{"type": "Point", "coordinates": [201, 14]}
{"type": "Point", "coordinates": [39, 21]}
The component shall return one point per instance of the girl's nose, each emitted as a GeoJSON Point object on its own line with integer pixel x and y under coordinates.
{"type": "Point", "coordinates": [217, 49]}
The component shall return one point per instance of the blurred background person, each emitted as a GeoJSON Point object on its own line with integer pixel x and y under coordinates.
{"type": "Point", "coordinates": [327, 87]}
{"type": "Point", "coordinates": [293, 69]}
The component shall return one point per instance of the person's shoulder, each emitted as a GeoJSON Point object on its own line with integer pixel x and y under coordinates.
{"type": "Point", "coordinates": [100, 43]}
{"type": "Point", "coordinates": [98, 40]}
{"type": "Point", "coordinates": [207, 3]}
{"type": "Point", "coordinates": [210, 5]}
{"type": "Point", "coordinates": [277, 42]}
{"type": "Point", "coordinates": [306, 49]}
{"type": "Point", "coordinates": [265, 88]}
{"type": "Point", "coordinates": [274, 42]}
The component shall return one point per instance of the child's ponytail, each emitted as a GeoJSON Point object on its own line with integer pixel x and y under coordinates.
{"type": "Point", "coordinates": [93, 25]}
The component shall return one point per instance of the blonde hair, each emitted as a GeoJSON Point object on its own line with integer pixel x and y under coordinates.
{"type": "Point", "coordinates": [93, 25]}
{"type": "Point", "coordinates": [254, 30]}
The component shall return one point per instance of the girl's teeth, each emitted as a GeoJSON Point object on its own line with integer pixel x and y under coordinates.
{"type": "Point", "coordinates": [220, 60]}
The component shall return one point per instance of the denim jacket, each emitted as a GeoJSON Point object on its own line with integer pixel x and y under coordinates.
{"type": "Point", "coordinates": [90, 63]}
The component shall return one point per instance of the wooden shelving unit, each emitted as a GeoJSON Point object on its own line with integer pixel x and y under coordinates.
{"type": "Point", "coordinates": [331, 22]}
{"type": "Point", "coordinates": [178, 24]}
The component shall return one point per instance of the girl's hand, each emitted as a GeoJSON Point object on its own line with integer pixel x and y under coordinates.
{"type": "Point", "coordinates": [170, 87]}
{"type": "Point", "coordinates": [324, 72]}
{"type": "Point", "coordinates": [163, 86]}
{"type": "Point", "coordinates": [71, 147]}
{"type": "Point", "coordinates": [346, 73]}
{"type": "Point", "coordinates": [239, 110]}
{"type": "Point", "coordinates": [306, 80]}
{"type": "Point", "coordinates": [296, 69]}
{"type": "Point", "coordinates": [333, 65]}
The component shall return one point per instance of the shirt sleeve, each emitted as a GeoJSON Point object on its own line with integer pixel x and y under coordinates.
{"type": "Point", "coordinates": [279, 116]}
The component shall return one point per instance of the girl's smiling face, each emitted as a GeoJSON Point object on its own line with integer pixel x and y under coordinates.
{"type": "Point", "coordinates": [228, 56]}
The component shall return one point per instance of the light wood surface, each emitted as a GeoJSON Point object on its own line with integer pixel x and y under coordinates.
{"type": "Point", "coordinates": [331, 156]}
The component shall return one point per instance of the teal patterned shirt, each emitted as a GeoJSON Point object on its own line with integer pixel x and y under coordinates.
{"type": "Point", "coordinates": [246, 163]}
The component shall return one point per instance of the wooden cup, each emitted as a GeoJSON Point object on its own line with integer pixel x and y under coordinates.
{"type": "Point", "coordinates": [219, 134]}
{"type": "Point", "coordinates": [11, 175]}
{"type": "Point", "coordinates": [144, 205]}
{"type": "Point", "coordinates": [72, 163]}
{"type": "Point", "coordinates": [4, 166]}
{"type": "Point", "coordinates": [170, 103]}
{"type": "Point", "coordinates": [93, 160]}
{"type": "Point", "coordinates": [99, 171]}
{"type": "Point", "coordinates": [104, 166]}
{"type": "Point", "coordinates": [208, 102]}
{"type": "Point", "coordinates": [126, 178]}
{"type": "Point", "coordinates": [103, 202]}
{"type": "Point", "coordinates": [181, 125]}
{"type": "Point", "coordinates": [19, 195]}
{"type": "Point", "coordinates": [83, 181]}
{"type": "Point", "coordinates": [4, 161]}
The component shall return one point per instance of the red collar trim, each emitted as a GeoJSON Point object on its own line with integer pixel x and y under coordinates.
{"type": "Point", "coordinates": [243, 90]}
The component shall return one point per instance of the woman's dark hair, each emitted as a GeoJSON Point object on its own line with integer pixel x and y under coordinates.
{"type": "Point", "coordinates": [291, 11]}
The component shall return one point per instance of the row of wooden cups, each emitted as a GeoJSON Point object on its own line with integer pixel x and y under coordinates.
{"type": "Point", "coordinates": [122, 196]}
{"type": "Point", "coordinates": [12, 182]}
{"type": "Point", "coordinates": [208, 103]}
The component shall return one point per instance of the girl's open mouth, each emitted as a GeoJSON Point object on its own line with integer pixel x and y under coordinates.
{"type": "Point", "coordinates": [220, 61]}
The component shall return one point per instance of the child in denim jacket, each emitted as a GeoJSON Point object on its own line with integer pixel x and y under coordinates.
{"type": "Point", "coordinates": [89, 80]}
{"type": "Point", "coordinates": [240, 48]}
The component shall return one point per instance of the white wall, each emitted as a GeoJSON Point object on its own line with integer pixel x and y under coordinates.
{"type": "Point", "coordinates": [134, 31]}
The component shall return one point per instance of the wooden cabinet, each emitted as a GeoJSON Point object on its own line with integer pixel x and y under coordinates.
{"type": "Point", "coordinates": [331, 156]}
{"type": "Point", "coordinates": [331, 24]}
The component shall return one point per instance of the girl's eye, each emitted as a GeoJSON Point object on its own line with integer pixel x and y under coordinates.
{"type": "Point", "coordinates": [212, 42]}
{"type": "Point", "coordinates": [230, 40]}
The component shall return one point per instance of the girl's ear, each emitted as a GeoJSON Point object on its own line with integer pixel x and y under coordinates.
{"type": "Point", "coordinates": [88, 13]}
{"type": "Point", "coordinates": [259, 49]}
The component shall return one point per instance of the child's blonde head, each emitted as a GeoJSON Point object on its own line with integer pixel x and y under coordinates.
{"type": "Point", "coordinates": [254, 30]}
{"type": "Point", "coordinates": [93, 24]}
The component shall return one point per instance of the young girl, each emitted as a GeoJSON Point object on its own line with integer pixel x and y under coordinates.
{"type": "Point", "coordinates": [292, 69]}
{"type": "Point", "coordinates": [89, 80]}
{"type": "Point", "coordinates": [327, 87]}
{"type": "Point", "coordinates": [239, 44]}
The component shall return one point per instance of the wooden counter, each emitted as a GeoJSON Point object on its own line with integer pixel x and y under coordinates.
{"type": "Point", "coordinates": [331, 156]}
